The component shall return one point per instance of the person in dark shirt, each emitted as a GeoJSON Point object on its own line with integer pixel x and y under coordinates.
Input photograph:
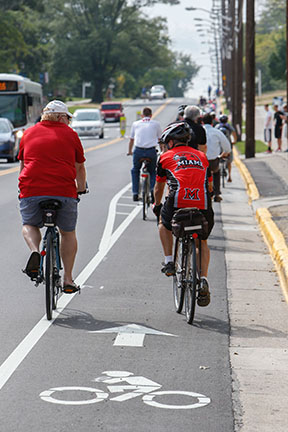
{"type": "Point", "coordinates": [198, 140]}
{"type": "Point", "coordinates": [278, 124]}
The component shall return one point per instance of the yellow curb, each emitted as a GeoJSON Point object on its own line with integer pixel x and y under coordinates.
{"type": "Point", "coordinates": [250, 184]}
{"type": "Point", "coordinates": [277, 246]}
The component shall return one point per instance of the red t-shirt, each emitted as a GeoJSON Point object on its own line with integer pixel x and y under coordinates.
{"type": "Point", "coordinates": [187, 173]}
{"type": "Point", "coordinates": [49, 151]}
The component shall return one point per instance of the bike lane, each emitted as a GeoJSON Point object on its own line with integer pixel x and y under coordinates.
{"type": "Point", "coordinates": [127, 289]}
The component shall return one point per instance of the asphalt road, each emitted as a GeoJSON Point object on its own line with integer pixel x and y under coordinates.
{"type": "Point", "coordinates": [77, 373]}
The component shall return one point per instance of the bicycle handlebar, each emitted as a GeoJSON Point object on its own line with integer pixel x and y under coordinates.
{"type": "Point", "coordinates": [85, 191]}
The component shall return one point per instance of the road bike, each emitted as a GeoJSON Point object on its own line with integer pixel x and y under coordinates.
{"type": "Point", "coordinates": [188, 227]}
{"type": "Point", "coordinates": [223, 170]}
{"type": "Point", "coordinates": [144, 189]}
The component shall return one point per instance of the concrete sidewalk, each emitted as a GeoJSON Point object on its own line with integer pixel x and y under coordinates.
{"type": "Point", "coordinates": [257, 307]}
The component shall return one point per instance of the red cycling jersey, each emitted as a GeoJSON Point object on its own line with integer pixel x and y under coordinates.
{"type": "Point", "coordinates": [187, 173]}
{"type": "Point", "coordinates": [49, 150]}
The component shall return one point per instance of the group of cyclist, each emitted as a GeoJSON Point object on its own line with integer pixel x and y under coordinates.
{"type": "Point", "coordinates": [52, 165]}
{"type": "Point", "coordinates": [188, 166]}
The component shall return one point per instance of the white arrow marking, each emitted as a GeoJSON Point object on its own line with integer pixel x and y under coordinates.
{"type": "Point", "coordinates": [131, 334]}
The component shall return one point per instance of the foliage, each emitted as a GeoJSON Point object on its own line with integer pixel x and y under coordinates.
{"type": "Point", "coordinates": [105, 42]}
{"type": "Point", "coordinates": [273, 16]}
{"type": "Point", "coordinates": [260, 146]}
{"type": "Point", "coordinates": [270, 44]}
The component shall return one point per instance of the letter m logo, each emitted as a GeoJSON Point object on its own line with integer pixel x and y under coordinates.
{"type": "Point", "coordinates": [192, 194]}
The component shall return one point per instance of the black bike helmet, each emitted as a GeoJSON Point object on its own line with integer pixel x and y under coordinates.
{"type": "Point", "coordinates": [179, 131]}
{"type": "Point", "coordinates": [223, 118]}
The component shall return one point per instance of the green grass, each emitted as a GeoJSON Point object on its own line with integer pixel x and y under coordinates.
{"type": "Point", "coordinates": [260, 147]}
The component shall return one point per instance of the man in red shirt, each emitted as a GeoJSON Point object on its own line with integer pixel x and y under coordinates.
{"type": "Point", "coordinates": [186, 171]}
{"type": "Point", "coordinates": [51, 166]}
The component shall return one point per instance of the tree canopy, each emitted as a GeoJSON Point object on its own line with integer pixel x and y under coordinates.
{"type": "Point", "coordinates": [271, 44]}
{"type": "Point", "coordinates": [99, 41]}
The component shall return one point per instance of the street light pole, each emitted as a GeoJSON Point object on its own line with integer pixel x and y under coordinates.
{"type": "Point", "coordinates": [250, 79]}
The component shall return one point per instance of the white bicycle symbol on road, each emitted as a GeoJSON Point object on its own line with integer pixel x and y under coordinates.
{"type": "Point", "coordinates": [129, 386]}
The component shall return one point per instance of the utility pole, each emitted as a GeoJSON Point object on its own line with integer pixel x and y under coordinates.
{"type": "Point", "coordinates": [239, 71]}
{"type": "Point", "coordinates": [250, 79]}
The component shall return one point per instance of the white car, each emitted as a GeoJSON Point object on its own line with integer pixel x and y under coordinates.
{"type": "Point", "coordinates": [157, 92]}
{"type": "Point", "coordinates": [88, 122]}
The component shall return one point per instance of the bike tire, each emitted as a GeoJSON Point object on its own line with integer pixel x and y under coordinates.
{"type": "Point", "coordinates": [49, 276]}
{"type": "Point", "coordinates": [191, 283]}
{"type": "Point", "coordinates": [57, 279]}
{"type": "Point", "coordinates": [178, 282]}
{"type": "Point", "coordinates": [223, 176]}
{"type": "Point", "coordinates": [145, 199]}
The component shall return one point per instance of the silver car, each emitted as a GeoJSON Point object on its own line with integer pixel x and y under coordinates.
{"type": "Point", "coordinates": [157, 92]}
{"type": "Point", "coordinates": [9, 140]}
{"type": "Point", "coordinates": [88, 122]}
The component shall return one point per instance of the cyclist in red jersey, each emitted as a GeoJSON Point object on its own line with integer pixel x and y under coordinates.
{"type": "Point", "coordinates": [186, 172]}
{"type": "Point", "coordinates": [51, 166]}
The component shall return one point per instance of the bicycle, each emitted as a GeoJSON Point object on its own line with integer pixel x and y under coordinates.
{"type": "Point", "coordinates": [144, 189]}
{"type": "Point", "coordinates": [223, 169]}
{"type": "Point", "coordinates": [49, 271]}
{"type": "Point", "coordinates": [188, 227]}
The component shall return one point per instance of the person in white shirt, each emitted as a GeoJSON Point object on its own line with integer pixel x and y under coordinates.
{"type": "Point", "coordinates": [268, 124]}
{"type": "Point", "coordinates": [145, 134]}
{"type": "Point", "coordinates": [217, 146]}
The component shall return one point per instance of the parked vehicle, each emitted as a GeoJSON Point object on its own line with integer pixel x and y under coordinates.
{"type": "Point", "coordinates": [157, 92]}
{"type": "Point", "coordinates": [9, 141]}
{"type": "Point", "coordinates": [112, 111]}
{"type": "Point", "coordinates": [88, 122]}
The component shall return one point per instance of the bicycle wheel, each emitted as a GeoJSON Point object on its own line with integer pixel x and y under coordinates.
{"type": "Point", "coordinates": [145, 198]}
{"type": "Point", "coordinates": [178, 282]}
{"type": "Point", "coordinates": [191, 283]}
{"type": "Point", "coordinates": [49, 276]}
{"type": "Point", "coordinates": [223, 173]}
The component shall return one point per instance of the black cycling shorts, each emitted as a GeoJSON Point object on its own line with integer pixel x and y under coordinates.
{"type": "Point", "coordinates": [168, 210]}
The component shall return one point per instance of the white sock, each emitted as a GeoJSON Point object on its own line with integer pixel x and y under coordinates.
{"type": "Point", "coordinates": [168, 259]}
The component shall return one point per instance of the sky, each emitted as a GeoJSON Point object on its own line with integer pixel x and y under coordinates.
{"type": "Point", "coordinates": [186, 39]}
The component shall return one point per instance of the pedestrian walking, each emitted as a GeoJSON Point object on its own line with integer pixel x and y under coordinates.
{"type": "Point", "coordinates": [278, 125]}
{"type": "Point", "coordinates": [285, 127]}
{"type": "Point", "coordinates": [268, 128]}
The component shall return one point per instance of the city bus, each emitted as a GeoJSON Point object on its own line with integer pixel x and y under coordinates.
{"type": "Point", "coordinates": [20, 100]}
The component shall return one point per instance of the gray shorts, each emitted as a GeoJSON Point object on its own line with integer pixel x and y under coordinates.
{"type": "Point", "coordinates": [66, 216]}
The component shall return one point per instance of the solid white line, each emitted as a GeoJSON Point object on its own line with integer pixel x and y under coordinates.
{"type": "Point", "coordinates": [22, 350]}
{"type": "Point", "coordinates": [111, 218]}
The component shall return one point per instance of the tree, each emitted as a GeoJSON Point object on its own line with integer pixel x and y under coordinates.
{"type": "Point", "coordinates": [277, 60]}
{"type": "Point", "coordinates": [101, 38]}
